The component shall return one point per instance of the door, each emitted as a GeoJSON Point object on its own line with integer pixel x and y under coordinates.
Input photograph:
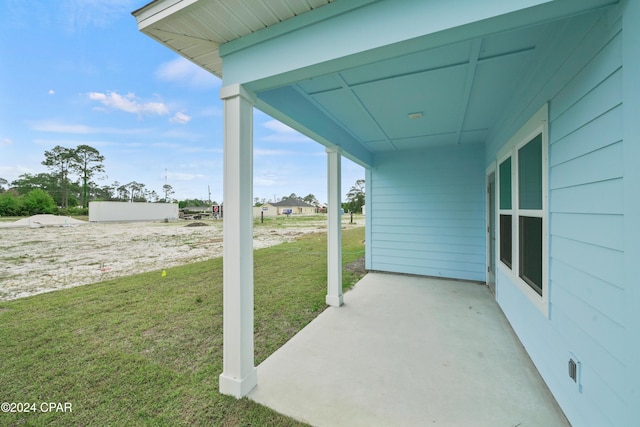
{"type": "Point", "coordinates": [491, 231]}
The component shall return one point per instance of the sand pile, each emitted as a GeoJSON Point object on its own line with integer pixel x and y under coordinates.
{"type": "Point", "coordinates": [46, 220]}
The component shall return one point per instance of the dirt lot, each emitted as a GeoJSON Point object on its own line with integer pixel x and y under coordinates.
{"type": "Point", "coordinates": [37, 260]}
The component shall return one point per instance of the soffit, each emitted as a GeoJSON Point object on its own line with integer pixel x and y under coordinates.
{"type": "Point", "coordinates": [196, 29]}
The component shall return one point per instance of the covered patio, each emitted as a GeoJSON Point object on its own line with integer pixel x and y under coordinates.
{"type": "Point", "coordinates": [500, 145]}
{"type": "Point", "coordinates": [408, 350]}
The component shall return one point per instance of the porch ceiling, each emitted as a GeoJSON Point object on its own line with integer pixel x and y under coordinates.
{"type": "Point", "coordinates": [447, 95]}
{"type": "Point", "coordinates": [451, 92]}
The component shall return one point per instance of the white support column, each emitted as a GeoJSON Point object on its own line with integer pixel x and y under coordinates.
{"type": "Point", "coordinates": [334, 228]}
{"type": "Point", "coordinates": [239, 373]}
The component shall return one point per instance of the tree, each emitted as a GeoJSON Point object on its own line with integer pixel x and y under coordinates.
{"type": "Point", "coordinates": [38, 201]}
{"type": "Point", "coordinates": [3, 183]}
{"type": "Point", "coordinates": [60, 160]}
{"type": "Point", "coordinates": [168, 191]}
{"type": "Point", "coordinates": [356, 196]}
{"type": "Point", "coordinates": [137, 191]}
{"type": "Point", "coordinates": [87, 162]}
{"type": "Point", "coordinates": [311, 199]}
{"type": "Point", "coordinates": [10, 204]}
{"type": "Point", "coordinates": [123, 191]}
{"type": "Point", "coordinates": [46, 181]}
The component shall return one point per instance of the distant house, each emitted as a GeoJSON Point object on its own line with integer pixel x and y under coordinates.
{"type": "Point", "coordinates": [265, 210]}
{"type": "Point", "coordinates": [500, 141]}
{"type": "Point", "coordinates": [295, 207]}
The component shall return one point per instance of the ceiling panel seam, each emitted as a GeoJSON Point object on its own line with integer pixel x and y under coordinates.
{"type": "Point", "coordinates": [474, 53]}
{"type": "Point", "coordinates": [328, 113]}
{"type": "Point", "coordinates": [357, 101]}
{"type": "Point", "coordinates": [412, 73]}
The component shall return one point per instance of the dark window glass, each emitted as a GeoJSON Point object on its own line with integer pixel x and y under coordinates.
{"type": "Point", "coordinates": [531, 252]}
{"type": "Point", "coordinates": [530, 174]}
{"type": "Point", "coordinates": [505, 240]}
{"type": "Point", "coordinates": [505, 184]}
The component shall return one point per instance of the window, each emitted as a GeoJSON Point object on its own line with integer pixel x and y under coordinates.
{"type": "Point", "coordinates": [523, 224]}
{"type": "Point", "coordinates": [506, 251]}
{"type": "Point", "coordinates": [530, 213]}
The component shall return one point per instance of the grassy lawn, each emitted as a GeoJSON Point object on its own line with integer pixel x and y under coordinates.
{"type": "Point", "coordinates": [147, 349]}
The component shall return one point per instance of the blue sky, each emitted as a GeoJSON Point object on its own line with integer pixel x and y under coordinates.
{"type": "Point", "coordinates": [78, 72]}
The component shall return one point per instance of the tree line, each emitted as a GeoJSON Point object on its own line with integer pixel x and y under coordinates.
{"type": "Point", "coordinates": [69, 185]}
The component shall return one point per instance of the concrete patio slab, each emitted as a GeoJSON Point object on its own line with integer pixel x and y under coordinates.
{"type": "Point", "coordinates": [408, 351]}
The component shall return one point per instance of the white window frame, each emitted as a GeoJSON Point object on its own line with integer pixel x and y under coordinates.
{"type": "Point", "coordinates": [538, 124]}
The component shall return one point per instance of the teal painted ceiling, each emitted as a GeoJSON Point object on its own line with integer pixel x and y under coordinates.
{"type": "Point", "coordinates": [448, 87]}
{"type": "Point", "coordinates": [457, 92]}
{"type": "Point", "coordinates": [454, 94]}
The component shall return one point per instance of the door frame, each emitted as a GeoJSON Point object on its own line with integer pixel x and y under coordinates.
{"type": "Point", "coordinates": [490, 178]}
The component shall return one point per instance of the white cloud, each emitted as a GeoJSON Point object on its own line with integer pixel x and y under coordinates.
{"type": "Point", "coordinates": [73, 142]}
{"type": "Point", "coordinates": [183, 71]}
{"type": "Point", "coordinates": [263, 181]}
{"type": "Point", "coordinates": [81, 14]}
{"type": "Point", "coordinates": [11, 173]}
{"type": "Point", "coordinates": [177, 176]}
{"type": "Point", "coordinates": [282, 133]}
{"type": "Point", "coordinates": [180, 118]}
{"type": "Point", "coordinates": [61, 127]}
{"type": "Point", "coordinates": [6, 141]}
{"type": "Point", "coordinates": [51, 92]}
{"type": "Point", "coordinates": [128, 103]}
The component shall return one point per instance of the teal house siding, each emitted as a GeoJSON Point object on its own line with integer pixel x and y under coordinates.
{"type": "Point", "coordinates": [427, 212]}
{"type": "Point", "coordinates": [426, 96]}
{"type": "Point", "coordinates": [582, 82]}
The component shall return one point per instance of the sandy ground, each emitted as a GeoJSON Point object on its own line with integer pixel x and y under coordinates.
{"type": "Point", "coordinates": [34, 260]}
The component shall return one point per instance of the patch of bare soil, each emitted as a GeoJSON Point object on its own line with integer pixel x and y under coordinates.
{"type": "Point", "coordinates": [357, 266]}
{"type": "Point", "coordinates": [43, 259]}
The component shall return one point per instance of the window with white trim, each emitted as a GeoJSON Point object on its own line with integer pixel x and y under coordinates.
{"type": "Point", "coordinates": [522, 209]}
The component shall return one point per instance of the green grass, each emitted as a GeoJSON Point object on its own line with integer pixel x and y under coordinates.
{"type": "Point", "coordinates": [282, 221]}
{"type": "Point", "coordinates": [147, 349]}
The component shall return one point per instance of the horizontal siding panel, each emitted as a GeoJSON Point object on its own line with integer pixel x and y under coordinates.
{"type": "Point", "coordinates": [605, 63]}
{"type": "Point", "coordinates": [432, 256]}
{"type": "Point", "coordinates": [600, 230]}
{"type": "Point", "coordinates": [429, 231]}
{"type": "Point", "coordinates": [428, 184]}
{"type": "Point", "coordinates": [605, 197]}
{"type": "Point", "coordinates": [603, 263]}
{"type": "Point", "coordinates": [426, 221]}
{"type": "Point", "coordinates": [600, 294]}
{"type": "Point", "coordinates": [602, 131]}
{"type": "Point", "coordinates": [407, 266]}
{"type": "Point", "coordinates": [409, 237]}
{"type": "Point", "coordinates": [423, 247]}
{"type": "Point", "coordinates": [598, 327]}
{"type": "Point", "coordinates": [454, 265]}
{"type": "Point", "coordinates": [605, 396]}
{"type": "Point", "coordinates": [602, 98]}
{"type": "Point", "coordinates": [597, 365]}
{"type": "Point", "coordinates": [416, 210]}
{"type": "Point", "coordinates": [600, 165]}
{"type": "Point", "coordinates": [394, 172]}
{"type": "Point", "coordinates": [421, 194]}
{"type": "Point", "coordinates": [427, 212]}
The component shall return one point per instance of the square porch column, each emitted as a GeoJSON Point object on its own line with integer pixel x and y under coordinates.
{"type": "Point", "coordinates": [334, 228]}
{"type": "Point", "coordinates": [239, 373]}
